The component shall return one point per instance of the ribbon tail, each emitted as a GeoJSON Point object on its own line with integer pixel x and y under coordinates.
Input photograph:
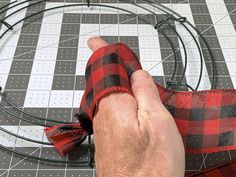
{"type": "Point", "coordinates": [65, 137]}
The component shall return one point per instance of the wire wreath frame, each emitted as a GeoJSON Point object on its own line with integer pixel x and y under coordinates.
{"type": "Point", "coordinates": [172, 16]}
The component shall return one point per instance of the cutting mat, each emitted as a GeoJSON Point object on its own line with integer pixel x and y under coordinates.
{"type": "Point", "coordinates": [42, 67]}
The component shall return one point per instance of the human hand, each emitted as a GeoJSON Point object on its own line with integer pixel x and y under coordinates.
{"type": "Point", "coordinates": [135, 136]}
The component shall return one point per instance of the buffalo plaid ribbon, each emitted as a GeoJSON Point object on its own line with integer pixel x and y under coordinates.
{"type": "Point", "coordinates": [206, 119]}
{"type": "Point", "coordinates": [224, 170]}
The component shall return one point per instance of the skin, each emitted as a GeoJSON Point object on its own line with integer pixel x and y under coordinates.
{"type": "Point", "coordinates": [135, 136]}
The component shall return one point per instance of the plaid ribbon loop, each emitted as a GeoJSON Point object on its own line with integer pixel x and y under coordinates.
{"type": "Point", "coordinates": [206, 119]}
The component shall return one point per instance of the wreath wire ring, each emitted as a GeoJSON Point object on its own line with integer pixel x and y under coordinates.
{"type": "Point", "coordinates": [172, 15]}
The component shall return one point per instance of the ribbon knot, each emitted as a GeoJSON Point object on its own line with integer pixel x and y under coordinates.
{"type": "Point", "coordinates": [66, 137]}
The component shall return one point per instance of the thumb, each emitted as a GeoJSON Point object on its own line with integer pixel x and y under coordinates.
{"type": "Point", "coordinates": [95, 43]}
{"type": "Point", "coordinates": [145, 92]}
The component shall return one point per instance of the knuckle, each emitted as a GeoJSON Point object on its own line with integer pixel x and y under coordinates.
{"type": "Point", "coordinates": [142, 85]}
{"type": "Point", "coordinates": [123, 122]}
{"type": "Point", "coordinates": [115, 107]}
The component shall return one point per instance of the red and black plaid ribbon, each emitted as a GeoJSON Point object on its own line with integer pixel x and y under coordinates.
{"type": "Point", "coordinates": [227, 169]}
{"type": "Point", "coordinates": [206, 119]}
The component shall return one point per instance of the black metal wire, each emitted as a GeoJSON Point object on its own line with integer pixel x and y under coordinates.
{"type": "Point", "coordinates": [157, 26]}
{"type": "Point", "coordinates": [180, 19]}
{"type": "Point", "coordinates": [53, 8]}
{"type": "Point", "coordinates": [201, 58]}
{"type": "Point", "coordinates": [32, 157]}
{"type": "Point", "coordinates": [185, 54]}
{"type": "Point", "coordinates": [5, 6]}
{"type": "Point", "coordinates": [24, 119]}
{"type": "Point", "coordinates": [31, 115]}
{"type": "Point", "coordinates": [25, 138]}
{"type": "Point", "coordinates": [18, 10]}
{"type": "Point", "coordinates": [214, 78]}
{"type": "Point", "coordinates": [88, 3]}
{"type": "Point", "coordinates": [24, 155]}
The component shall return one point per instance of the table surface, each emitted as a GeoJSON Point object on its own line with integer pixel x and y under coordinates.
{"type": "Point", "coordinates": [42, 65]}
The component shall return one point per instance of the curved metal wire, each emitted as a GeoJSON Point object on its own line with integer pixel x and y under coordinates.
{"type": "Point", "coordinates": [18, 10]}
{"type": "Point", "coordinates": [214, 78]}
{"type": "Point", "coordinates": [23, 119]}
{"type": "Point", "coordinates": [10, 27]}
{"type": "Point", "coordinates": [5, 6]}
{"type": "Point", "coordinates": [25, 138]}
{"type": "Point", "coordinates": [63, 6]}
{"type": "Point", "coordinates": [166, 21]}
{"type": "Point", "coordinates": [82, 139]}
{"type": "Point", "coordinates": [88, 4]}
{"type": "Point", "coordinates": [182, 20]}
{"type": "Point", "coordinates": [31, 115]}
{"type": "Point", "coordinates": [24, 155]}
